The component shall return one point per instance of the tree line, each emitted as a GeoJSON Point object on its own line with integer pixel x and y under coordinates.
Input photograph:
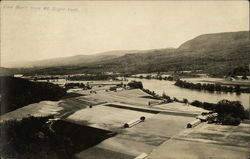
{"type": "Point", "coordinates": [229, 112]}
{"type": "Point", "coordinates": [92, 77]}
{"type": "Point", "coordinates": [77, 85]}
{"type": "Point", "coordinates": [211, 87]}
{"type": "Point", "coordinates": [158, 77]}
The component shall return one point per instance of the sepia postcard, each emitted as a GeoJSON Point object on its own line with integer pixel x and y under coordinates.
{"type": "Point", "coordinates": [125, 79]}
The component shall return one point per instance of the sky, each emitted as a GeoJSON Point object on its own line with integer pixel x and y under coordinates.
{"type": "Point", "coordinates": [40, 30]}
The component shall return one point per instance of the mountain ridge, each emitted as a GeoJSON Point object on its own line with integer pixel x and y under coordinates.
{"type": "Point", "coordinates": [71, 60]}
{"type": "Point", "coordinates": [217, 52]}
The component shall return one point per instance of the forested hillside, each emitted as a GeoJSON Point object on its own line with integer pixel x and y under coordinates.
{"type": "Point", "coordinates": [219, 53]}
{"type": "Point", "coordinates": [17, 92]}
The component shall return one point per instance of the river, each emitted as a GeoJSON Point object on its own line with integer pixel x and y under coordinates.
{"type": "Point", "coordinates": [160, 86]}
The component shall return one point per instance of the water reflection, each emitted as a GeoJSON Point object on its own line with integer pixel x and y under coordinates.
{"type": "Point", "coordinates": [171, 90]}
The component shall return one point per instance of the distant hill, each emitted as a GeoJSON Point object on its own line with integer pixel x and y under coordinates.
{"type": "Point", "coordinates": [214, 53]}
{"type": "Point", "coordinates": [217, 53]}
{"type": "Point", "coordinates": [216, 41]}
{"type": "Point", "coordinates": [71, 60]}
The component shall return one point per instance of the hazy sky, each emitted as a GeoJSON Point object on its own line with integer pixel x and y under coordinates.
{"type": "Point", "coordinates": [31, 32]}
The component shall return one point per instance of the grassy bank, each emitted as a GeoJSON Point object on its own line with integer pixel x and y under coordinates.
{"type": "Point", "coordinates": [229, 112]}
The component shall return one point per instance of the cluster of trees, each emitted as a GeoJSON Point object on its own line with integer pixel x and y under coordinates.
{"type": "Point", "coordinates": [176, 74]}
{"type": "Point", "coordinates": [166, 98]}
{"type": "Point", "coordinates": [95, 77]}
{"type": "Point", "coordinates": [152, 93]}
{"type": "Point", "coordinates": [135, 85]}
{"type": "Point", "coordinates": [211, 87]}
{"type": "Point", "coordinates": [204, 105]}
{"type": "Point", "coordinates": [18, 92]}
{"type": "Point", "coordinates": [244, 77]}
{"type": "Point", "coordinates": [78, 85]}
{"type": "Point", "coordinates": [229, 112]}
{"type": "Point", "coordinates": [159, 77]}
{"type": "Point", "coordinates": [238, 71]}
{"type": "Point", "coordinates": [46, 78]}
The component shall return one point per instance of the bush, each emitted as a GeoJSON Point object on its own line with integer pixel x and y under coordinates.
{"type": "Point", "coordinates": [135, 84]}
{"type": "Point", "coordinates": [72, 85]}
{"type": "Point", "coordinates": [244, 77]}
{"type": "Point", "coordinates": [185, 100]}
{"type": "Point", "coordinates": [166, 97]}
{"type": "Point", "coordinates": [247, 114]}
{"type": "Point", "coordinates": [233, 108]}
{"type": "Point", "coordinates": [230, 120]}
{"type": "Point", "coordinates": [209, 106]}
{"type": "Point", "coordinates": [176, 100]}
{"type": "Point", "coordinates": [197, 103]}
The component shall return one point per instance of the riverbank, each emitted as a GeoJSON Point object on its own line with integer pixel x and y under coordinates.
{"type": "Point", "coordinates": [168, 87]}
{"type": "Point", "coordinates": [222, 107]}
{"type": "Point", "coordinates": [212, 87]}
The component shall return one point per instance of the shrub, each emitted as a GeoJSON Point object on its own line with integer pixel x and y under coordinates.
{"type": "Point", "coordinates": [234, 108]}
{"type": "Point", "coordinates": [247, 114]}
{"type": "Point", "coordinates": [135, 84]}
{"type": "Point", "coordinates": [197, 103]}
{"type": "Point", "coordinates": [230, 120]}
{"type": "Point", "coordinates": [185, 100]}
{"type": "Point", "coordinates": [176, 100]}
{"type": "Point", "coordinates": [168, 99]}
{"type": "Point", "coordinates": [209, 106]}
{"type": "Point", "coordinates": [244, 77]}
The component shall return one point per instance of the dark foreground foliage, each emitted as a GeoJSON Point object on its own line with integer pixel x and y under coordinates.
{"type": "Point", "coordinates": [31, 138]}
{"type": "Point", "coordinates": [18, 92]}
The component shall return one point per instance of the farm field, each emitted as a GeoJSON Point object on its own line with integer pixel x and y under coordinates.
{"type": "Point", "coordinates": [212, 141]}
{"type": "Point", "coordinates": [44, 108]}
{"type": "Point", "coordinates": [180, 107]}
{"type": "Point", "coordinates": [161, 135]}
{"type": "Point", "coordinates": [133, 97]}
{"type": "Point", "coordinates": [141, 138]}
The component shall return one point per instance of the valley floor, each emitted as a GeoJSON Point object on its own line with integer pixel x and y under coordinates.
{"type": "Point", "coordinates": [163, 134]}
